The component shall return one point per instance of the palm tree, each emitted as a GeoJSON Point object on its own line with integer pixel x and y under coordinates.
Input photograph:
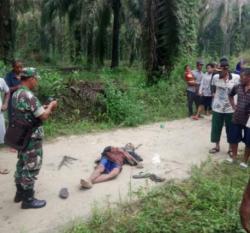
{"type": "Point", "coordinates": [116, 6]}
{"type": "Point", "coordinates": [103, 21]}
{"type": "Point", "coordinates": [169, 32]}
{"type": "Point", "coordinates": [6, 31]}
{"type": "Point", "coordinates": [160, 37]}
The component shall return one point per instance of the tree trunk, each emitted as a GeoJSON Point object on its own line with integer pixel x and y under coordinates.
{"type": "Point", "coordinates": [101, 39]}
{"type": "Point", "coordinates": [150, 47]}
{"type": "Point", "coordinates": [5, 31]}
{"type": "Point", "coordinates": [90, 50]}
{"type": "Point", "coordinates": [116, 33]}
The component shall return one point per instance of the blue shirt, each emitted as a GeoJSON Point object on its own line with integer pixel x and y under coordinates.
{"type": "Point", "coordinates": [11, 80]}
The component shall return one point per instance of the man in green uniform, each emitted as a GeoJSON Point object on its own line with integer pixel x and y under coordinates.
{"type": "Point", "coordinates": [27, 108]}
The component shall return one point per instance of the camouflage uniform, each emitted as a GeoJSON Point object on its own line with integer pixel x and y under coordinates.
{"type": "Point", "coordinates": [28, 107]}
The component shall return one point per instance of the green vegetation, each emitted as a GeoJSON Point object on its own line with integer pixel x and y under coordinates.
{"type": "Point", "coordinates": [124, 99]}
{"type": "Point", "coordinates": [208, 202]}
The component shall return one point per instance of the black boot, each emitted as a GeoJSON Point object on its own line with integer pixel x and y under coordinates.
{"type": "Point", "coordinates": [19, 194]}
{"type": "Point", "coordinates": [29, 202]}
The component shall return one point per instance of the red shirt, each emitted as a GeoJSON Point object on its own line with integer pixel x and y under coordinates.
{"type": "Point", "coordinates": [189, 76]}
{"type": "Point", "coordinates": [116, 155]}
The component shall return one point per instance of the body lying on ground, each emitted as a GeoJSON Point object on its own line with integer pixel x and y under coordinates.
{"type": "Point", "coordinates": [109, 167]}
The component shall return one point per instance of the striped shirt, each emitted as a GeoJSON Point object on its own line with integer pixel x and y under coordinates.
{"type": "Point", "coordinates": [242, 111]}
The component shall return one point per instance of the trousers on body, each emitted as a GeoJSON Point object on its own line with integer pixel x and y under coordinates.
{"type": "Point", "coordinates": [218, 121]}
{"type": "Point", "coordinates": [29, 164]}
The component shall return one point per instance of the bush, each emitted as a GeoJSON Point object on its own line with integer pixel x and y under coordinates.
{"type": "Point", "coordinates": [3, 69]}
{"type": "Point", "coordinates": [122, 107]}
{"type": "Point", "coordinates": [51, 85]}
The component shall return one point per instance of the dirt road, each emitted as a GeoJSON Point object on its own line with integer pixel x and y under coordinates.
{"type": "Point", "coordinates": [180, 144]}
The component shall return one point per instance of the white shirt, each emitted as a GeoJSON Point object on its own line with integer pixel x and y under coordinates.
{"type": "Point", "coordinates": [3, 88]}
{"type": "Point", "coordinates": [205, 87]}
{"type": "Point", "coordinates": [221, 103]}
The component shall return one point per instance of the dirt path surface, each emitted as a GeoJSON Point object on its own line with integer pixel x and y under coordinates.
{"type": "Point", "coordinates": [180, 144]}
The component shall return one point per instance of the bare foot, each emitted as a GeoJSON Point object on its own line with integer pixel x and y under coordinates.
{"type": "Point", "coordinates": [195, 118]}
{"type": "Point", "coordinates": [12, 150]}
{"type": "Point", "coordinates": [85, 184]}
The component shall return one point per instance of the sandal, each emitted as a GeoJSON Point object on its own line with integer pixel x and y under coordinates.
{"type": "Point", "coordinates": [156, 178]}
{"type": "Point", "coordinates": [4, 172]}
{"type": "Point", "coordinates": [214, 151]}
{"type": "Point", "coordinates": [195, 118]}
{"type": "Point", "coordinates": [142, 175]}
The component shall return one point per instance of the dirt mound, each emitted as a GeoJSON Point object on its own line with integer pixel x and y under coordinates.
{"type": "Point", "coordinates": [83, 99]}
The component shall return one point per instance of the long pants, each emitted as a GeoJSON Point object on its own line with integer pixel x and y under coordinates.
{"type": "Point", "coordinates": [218, 121]}
{"type": "Point", "coordinates": [192, 98]}
{"type": "Point", "coordinates": [10, 110]}
{"type": "Point", "coordinates": [2, 128]}
{"type": "Point", "coordinates": [29, 164]}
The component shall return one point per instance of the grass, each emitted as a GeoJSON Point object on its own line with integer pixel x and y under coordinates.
{"type": "Point", "coordinates": [207, 202]}
{"type": "Point", "coordinates": [64, 128]}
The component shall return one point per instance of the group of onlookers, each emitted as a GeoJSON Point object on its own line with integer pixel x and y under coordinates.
{"type": "Point", "coordinates": [227, 95]}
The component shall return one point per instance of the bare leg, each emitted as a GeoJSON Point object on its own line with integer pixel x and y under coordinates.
{"type": "Point", "coordinates": [245, 209]}
{"type": "Point", "coordinates": [247, 154]}
{"type": "Point", "coordinates": [96, 173]}
{"type": "Point", "coordinates": [200, 110]}
{"type": "Point", "coordinates": [87, 184]}
{"type": "Point", "coordinates": [105, 177]}
{"type": "Point", "coordinates": [198, 114]}
{"type": "Point", "coordinates": [234, 148]}
{"type": "Point", "coordinates": [217, 145]}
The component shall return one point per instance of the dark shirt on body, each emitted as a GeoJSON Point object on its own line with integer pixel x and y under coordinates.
{"type": "Point", "coordinates": [12, 81]}
{"type": "Point", "coordinates": [241, 113]}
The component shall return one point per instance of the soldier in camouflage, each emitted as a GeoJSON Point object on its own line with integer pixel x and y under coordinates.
{"type": "Point", "coordinates": [27, 107]}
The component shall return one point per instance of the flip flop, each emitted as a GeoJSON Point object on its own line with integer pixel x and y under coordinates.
{"type": "Point", "coordinates": [4, 172]}
{"type": "Point", "coordinates": [142, 175]}
{"type": "Point", "coordinates": [85, 184]}
{"type": "Point", "coordinates": [214, 151]}
{"type": "Point", "coordinates": [156, 178]}
{"type": "Point", "coordinates": [195, 118]}
{"type": "Point", "coordinates": [12, 150]}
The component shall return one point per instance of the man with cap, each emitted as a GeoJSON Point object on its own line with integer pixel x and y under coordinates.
{"type": "Point", "coordinates": [222, 84]}
{"type": "Point", "coordinates": [27, 107]}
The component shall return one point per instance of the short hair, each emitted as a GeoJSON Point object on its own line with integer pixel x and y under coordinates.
{"type": "Point", "coordinates": [223, 59]}
{"type": "Point", "coordinates": [14, 62]}
{"type": "Point", "coordinates": [210, 64]}
{"type": "Point", "coordinates": [185, 67]}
